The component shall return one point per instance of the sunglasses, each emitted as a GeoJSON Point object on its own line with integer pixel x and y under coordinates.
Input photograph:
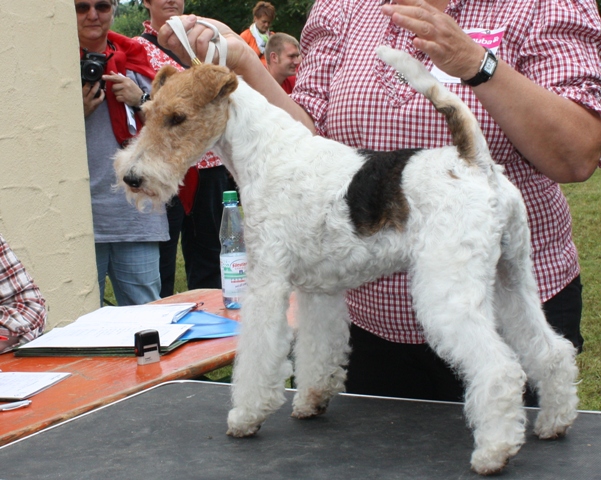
{"type": "Point", "coordinates": [100, 7]}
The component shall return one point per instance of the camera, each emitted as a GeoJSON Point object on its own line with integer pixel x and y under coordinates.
{"type": "Point", "coordinates": [92, 69]}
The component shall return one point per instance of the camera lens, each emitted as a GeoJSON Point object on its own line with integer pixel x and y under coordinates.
{"type": "Point", "coordinates": [92, 71]}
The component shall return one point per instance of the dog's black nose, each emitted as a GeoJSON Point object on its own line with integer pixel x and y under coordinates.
{"type": "Point", "coordinates": [132, 180]}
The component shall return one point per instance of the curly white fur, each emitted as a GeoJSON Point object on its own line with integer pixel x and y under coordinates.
{"type": "Point", "coordinates": [465, 243]}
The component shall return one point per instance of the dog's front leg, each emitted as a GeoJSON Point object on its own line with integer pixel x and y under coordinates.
{"type": "Point", "coordinates": [321, 351]}
{"type": "Point", "coordinates": [261, 366]}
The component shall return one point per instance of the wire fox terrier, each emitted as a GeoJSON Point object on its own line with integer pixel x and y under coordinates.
{"type": "Point", "coordinates": [322, 217]}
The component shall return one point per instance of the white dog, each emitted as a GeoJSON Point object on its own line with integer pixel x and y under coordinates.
{"type": "Point", "coordinates": [321, 217]}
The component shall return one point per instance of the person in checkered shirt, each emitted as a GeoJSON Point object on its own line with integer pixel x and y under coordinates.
{"type": "Point", "coordinates": [539, 112]}
{"type": "Point", "coordinates": [22, 308]}
{"type": "Point", "coordinates": [196, 211]}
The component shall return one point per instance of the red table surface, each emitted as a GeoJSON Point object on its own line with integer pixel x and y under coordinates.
{"type": "Point", "coordinates": [97, 381]}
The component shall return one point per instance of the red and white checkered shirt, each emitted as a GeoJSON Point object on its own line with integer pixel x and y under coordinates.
{"type": "Point", "coordinates": [22, 308]}
{"type": "Point", "coordinates": [356, 99]}
{"type": "Point", "coordinates": [158, 59]}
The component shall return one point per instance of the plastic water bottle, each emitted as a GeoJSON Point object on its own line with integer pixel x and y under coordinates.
{"type": "Point", "coordinates": [233, 251]}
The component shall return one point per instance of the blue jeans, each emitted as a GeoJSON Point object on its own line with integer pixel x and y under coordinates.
{"type": "Point", "coordinates": [133, 268]}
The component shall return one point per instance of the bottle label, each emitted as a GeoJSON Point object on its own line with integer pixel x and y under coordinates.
{"type": "Point", "coordinates": [233, 273]}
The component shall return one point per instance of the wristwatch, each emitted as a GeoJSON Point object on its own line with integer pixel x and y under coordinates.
{"type": "Point", "coordinates": [487, 70]}
{"type": "Point", "coordinates": [144, 98]}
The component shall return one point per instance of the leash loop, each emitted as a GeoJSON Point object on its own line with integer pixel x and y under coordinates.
{"type": "Point", "coordinates": [216, 44]}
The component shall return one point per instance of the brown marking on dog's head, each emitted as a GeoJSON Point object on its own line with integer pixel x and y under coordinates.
{"type": "Point", "coordinates": [200, 84]}
{"type": "Point", "coordinates": [161, 77]}
{"type": "Point", "coordinates": [188, 110]}
{"type": "Point", "coordinates": [186, 116]}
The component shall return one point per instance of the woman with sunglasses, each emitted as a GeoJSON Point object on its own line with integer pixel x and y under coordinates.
{"type": "Point", "coordinates": [126, 241]}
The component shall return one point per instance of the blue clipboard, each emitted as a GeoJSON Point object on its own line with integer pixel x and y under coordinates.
{"type": "Point", "coordinates": [208, 325]}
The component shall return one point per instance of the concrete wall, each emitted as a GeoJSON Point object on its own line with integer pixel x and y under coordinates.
{"type": "Point", "coordinates": [45, 211]}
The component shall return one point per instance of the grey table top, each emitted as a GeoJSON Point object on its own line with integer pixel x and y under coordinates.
{"type": "Point", "coordinates": [177, 431]}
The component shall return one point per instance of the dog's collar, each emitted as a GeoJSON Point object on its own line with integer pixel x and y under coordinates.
{"type": "Point", "coordinates": [217, 43]}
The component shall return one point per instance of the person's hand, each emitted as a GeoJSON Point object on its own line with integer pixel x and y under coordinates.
{"type": "Point", "coordinates": [199, 37]}
{"type": "Point", "coordinates": [90, 103]}
{"type": "Point", "coordinates": [437, 35]}
{"type": "Point", "coordinates": [125, 89]}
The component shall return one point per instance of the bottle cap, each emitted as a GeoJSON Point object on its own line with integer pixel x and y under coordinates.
{"type": "Point", "coordinates": [230, 196]}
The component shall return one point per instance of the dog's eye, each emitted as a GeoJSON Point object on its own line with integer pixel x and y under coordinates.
{"type": "Point", "coordinates": [176, 119]}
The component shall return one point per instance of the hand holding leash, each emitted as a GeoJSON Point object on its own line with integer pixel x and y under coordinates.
{"type": "Point", "coordinates": [217, 43]}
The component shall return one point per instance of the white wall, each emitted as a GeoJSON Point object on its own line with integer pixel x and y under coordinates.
{"type": "Point", "coordinates": [45, 211]}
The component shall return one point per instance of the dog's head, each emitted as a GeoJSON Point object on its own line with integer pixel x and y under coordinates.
{"type": "Point", "coordinates": [187, 114]}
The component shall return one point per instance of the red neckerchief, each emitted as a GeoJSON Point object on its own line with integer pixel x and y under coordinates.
{"type": "Point", "coordinates": [123, 54]}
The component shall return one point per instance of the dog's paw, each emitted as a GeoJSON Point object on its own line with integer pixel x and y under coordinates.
{"type": "Point", "coordinates": [553, 425]}
{"type": "Point", "coordinates": [243, 432]}
{"type": "Point", "coordinates": [492, 459]}
{"type": "Point", "coordinates": [309, 411]}
{"type": "Point", "coordinates": [243, 424]}
{"type": "Point", "coordinates": [546, 430]}
{"type": "Point", "coordinates": [489, 462]}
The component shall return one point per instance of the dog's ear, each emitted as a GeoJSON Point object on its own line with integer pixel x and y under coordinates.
{"type": "Point", "coordinates": [218, 80]}
{"type": "Point", "coordinates": [161, 77]}
{"type": "Point", "coordinates": [229, 83]}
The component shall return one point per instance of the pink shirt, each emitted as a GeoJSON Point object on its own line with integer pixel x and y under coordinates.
{"type": "Point", "coordinates": [356, 99]}
{"type": "Point", "coordinates": [158, 59]}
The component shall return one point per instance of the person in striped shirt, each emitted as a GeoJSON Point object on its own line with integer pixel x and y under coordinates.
{"type": "Point", "coordinates": [539, 111]}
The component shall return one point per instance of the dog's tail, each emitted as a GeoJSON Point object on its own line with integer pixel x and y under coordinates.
{"type": "Point", "coordinates": [466, 133]}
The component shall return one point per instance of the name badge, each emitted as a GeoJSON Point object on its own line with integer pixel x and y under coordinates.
{"type": "Point", "coordinates": [490, 39]}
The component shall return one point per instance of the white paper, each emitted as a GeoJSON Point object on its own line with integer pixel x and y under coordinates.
{"type": "Point", "coordinates": [148, 315]}
{"type": "Point", "coordinates": [131, 120]}
{"type": "Point", "coordinates": [115, 334]}
{"type": "Point", "coordinates": [20, 385]}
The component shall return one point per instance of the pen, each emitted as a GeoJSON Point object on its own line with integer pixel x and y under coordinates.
{"type": "Point", "coordinates": [14, 405]}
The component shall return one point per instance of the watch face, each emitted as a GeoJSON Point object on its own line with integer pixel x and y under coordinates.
{"type": "Point", "coordinates": [489, 66]}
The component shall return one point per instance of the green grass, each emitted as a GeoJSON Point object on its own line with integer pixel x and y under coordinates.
{"type": "Point", "coordinates": [585, 202]}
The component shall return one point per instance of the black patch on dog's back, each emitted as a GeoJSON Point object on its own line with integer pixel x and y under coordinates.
{"type": "Point", "coordinates": [374, 196]}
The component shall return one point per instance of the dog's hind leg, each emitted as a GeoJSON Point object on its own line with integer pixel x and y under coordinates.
{"type": "Point", "coordinates": [453, 297]}
{"type": "Point", "coordinates": [261, 366]}
{"type": "Point", "coordinates": [321, 351]}
{"type": "Point", "coordinates": [547, 358]}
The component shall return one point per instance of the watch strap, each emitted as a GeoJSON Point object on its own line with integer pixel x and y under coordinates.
{"type": "Point", "coordinates": [143, 99]}
{"type": "Point", "coordinates": [485, 73]}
